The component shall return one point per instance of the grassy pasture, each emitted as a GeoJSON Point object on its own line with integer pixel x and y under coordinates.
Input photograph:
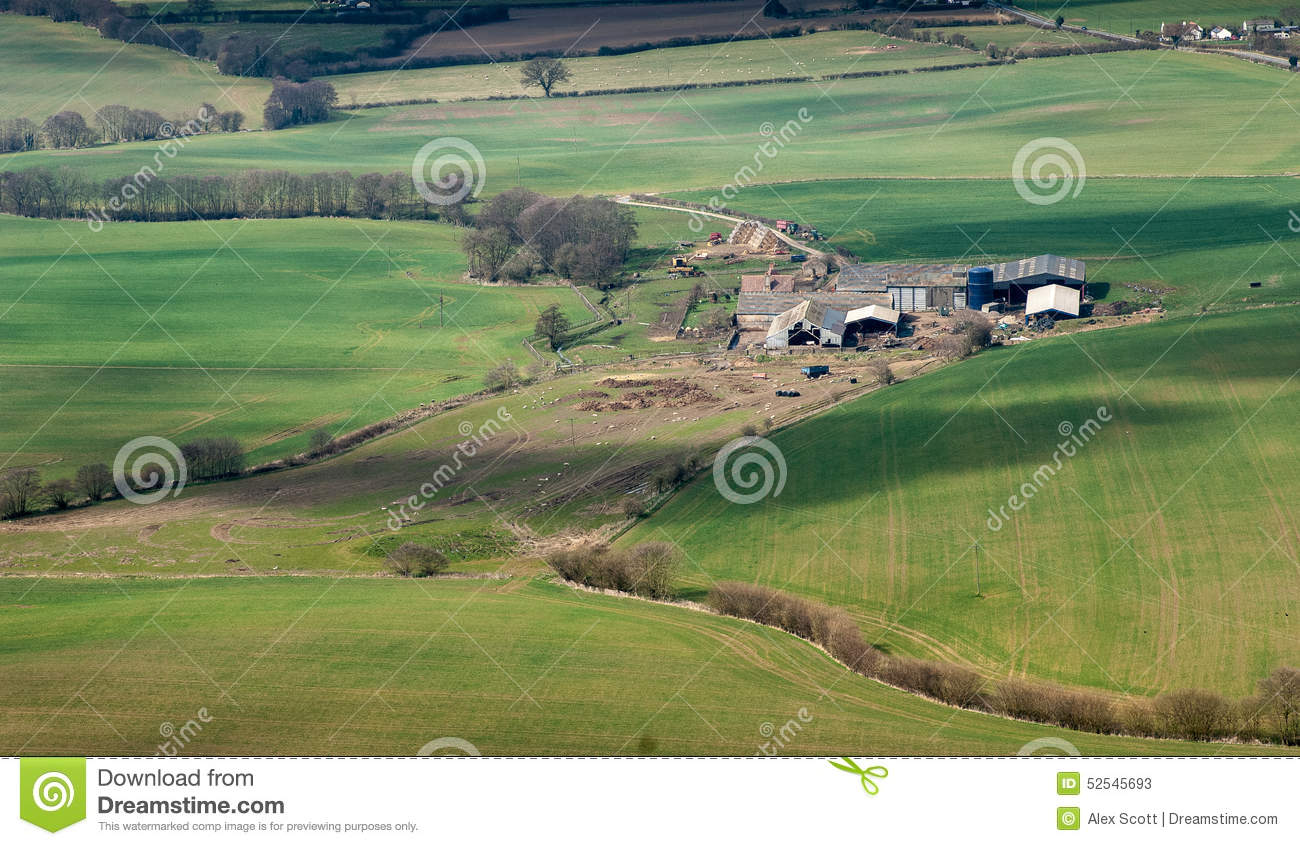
{"type": "Point", "coordinates": [551, 469]}
{"type": "Point", "coordinates": [1161, 555]}
{"type": "Point", "coordinates": [1207, 239]}
{"type": "Point", "coordinates": [951, 124]}
{"type": "Point", "coordinates": [295, 324]}
{"type": "Point", "coordinates": [349, 667]}
{"type": "Point", "coordinates": [78, 70]}
{"type": "Point", "coordinates": [808, 55]}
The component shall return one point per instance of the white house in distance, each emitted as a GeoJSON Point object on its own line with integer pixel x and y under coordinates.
{"type": "Point", "coordinates": [1220, 33]}
{"type": "Point", "coordinates": [1054, 301]}
{"type": "Point", "coordinates": [1185, 31]}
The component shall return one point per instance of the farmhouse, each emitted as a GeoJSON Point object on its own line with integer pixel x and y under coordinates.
{"type": "Point", "coordinates": [1220, 33]}
{"type": "Point", "coordinates": [1185, 31]}
{"type": "Point", "coordinates": [770, 282]}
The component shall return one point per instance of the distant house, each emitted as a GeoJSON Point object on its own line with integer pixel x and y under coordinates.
{"type": "Point", "coordinates": [1257, 25]}
{"type": "Point", "coordinates": [1185, 31]}
{"type": "Point", "coordinates": [1220, 33]}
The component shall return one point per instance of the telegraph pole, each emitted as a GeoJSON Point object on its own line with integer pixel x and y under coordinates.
{"type": "Point", "coordinates": [440, 324]}
{"type": "Point", "coordinates": [978, 592]}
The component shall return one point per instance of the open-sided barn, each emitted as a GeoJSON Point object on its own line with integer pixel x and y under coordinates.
{"type": "Point", "coordinates": [807, 324]}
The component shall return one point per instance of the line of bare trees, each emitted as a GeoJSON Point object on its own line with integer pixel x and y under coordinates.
{"type": "Point", "coordinates": [64, 192]}
{"type": "Point", "coordinates": [23, 491]}
{"type": "Point", "coordinates": [1272, 715]}
{"type": "Point", "coordinates": [109, 124]}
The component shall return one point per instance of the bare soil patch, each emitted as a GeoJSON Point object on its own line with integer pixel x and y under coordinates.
{"type": "Point", "coordinates": [583, 29]}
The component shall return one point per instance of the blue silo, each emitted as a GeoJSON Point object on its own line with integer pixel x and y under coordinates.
{"type": "Point", "coordinates": [979, 287]}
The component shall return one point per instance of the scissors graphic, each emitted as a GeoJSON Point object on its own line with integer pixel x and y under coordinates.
{"type": "Point", "coordinates": [851, 766]}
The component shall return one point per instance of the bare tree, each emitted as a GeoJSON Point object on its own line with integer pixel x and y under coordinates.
{"type": "Point", "coordinates": [18, 492]}
{"type": "Point", "coordinates": [503, 377]}
{"type": "Point", "coordinates": [319, 442]}
{"type": "Point", "coordinates": [416, 560]}
{"type": "Point", "coordinates": [487, 251]}
{"type": "Point", "coordinates": [544, 73]}
{"type": "Point", "coordinates": [60, 493]}
{"type": "Point", "coordinates": [94, 481]}
{"type": "Point", "coordinates": [1281, 692]}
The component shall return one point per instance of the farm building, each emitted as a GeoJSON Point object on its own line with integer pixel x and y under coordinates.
{"type": "Point", "coordinates": [872, 318]}
{"type": "Point", "coordinates": [755, 310]}
{"type": "Point", "coordinates": [807, 324]}
{"type": "Point", "coordinates": [1054, 301]}
{"type": "Point", "coordinates": [1013, 280]}
{"type": "Point", "coordinates": [911, 287]}
{"type": "Point", "coordinates": [767, 283]}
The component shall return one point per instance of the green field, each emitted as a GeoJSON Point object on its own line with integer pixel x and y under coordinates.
{"type": "Point", "coordinates": [810, 55]}
{"type": "Point", "coordinates": [952, 124]}
{"type": "Point", "coordinates": [260, 329]}
{"type": "Point", "coordinates": [80, 71]}
{"type": "Point", "coordinates": [1160, 556]}
{"type": "Point", "coordinates": [1204, 240]}
{"type": "Point", "coordinates": [381, 668]}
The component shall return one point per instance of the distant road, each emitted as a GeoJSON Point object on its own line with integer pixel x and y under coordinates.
{"type": "Point", "coordinates": [801, 246]}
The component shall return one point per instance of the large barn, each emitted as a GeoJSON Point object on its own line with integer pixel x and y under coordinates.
{"type": "Point", "coordinates": [922, 287]}
{"type": "Point", "coordinates": [1013, 280]}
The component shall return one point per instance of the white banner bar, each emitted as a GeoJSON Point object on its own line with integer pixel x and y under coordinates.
{"type": "Point", "coordinates": [649, 800]}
